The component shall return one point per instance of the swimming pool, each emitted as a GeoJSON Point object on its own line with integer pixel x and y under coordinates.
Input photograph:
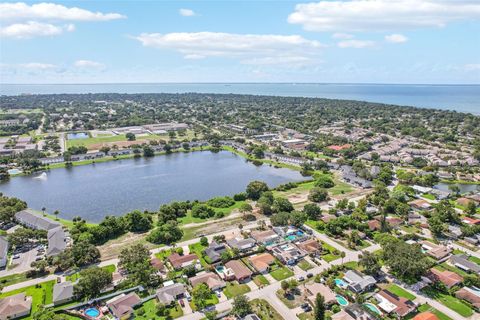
{"type": "Point", "coordinates": [373, 308]}
{"type": "Point", "coordinates": [220, 268]}
{"type": "Point", "coordinates": [77, 135]}
{"type": "Point", "coordinates": [340, 283]}
{"type": "Point", "coordinates": [92, 312]}
{"type": "Point", "coordinates": [14, 171]}
{"type": "Point", "coordinates": [341, 300]}
{"type": "Point", "coordinates": [291, 237]}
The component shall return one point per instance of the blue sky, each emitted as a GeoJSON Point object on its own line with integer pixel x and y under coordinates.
{"type": "Point", "coordinates": [360, 41]}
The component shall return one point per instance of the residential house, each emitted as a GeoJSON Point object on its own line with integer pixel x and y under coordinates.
{"type": "Point", "coordinates": [3, 251]}
{"type": "Point", "coordinates": [240, 270]}
{"type": "Point", "coordinates": [211, 279]}
{"type": "Point", "coordinates": [158, 265]}
{"type": "Point", "coordinates": [265, 237]}
{"type": "Point", "coordinates": [420, 204]}
{"type": "Point", "coordinates": [454, 231]}
{"type": "Point", "coordinates": [122, 306]}
{"type": "Point", "coordinates": [288, 253]}
{"type": "Point", "coordinates": [262, 262]}
{"type": "Point", "coordinates": [358, 282]}
{"type": "Point", "coordinates": [62, 292]}
{"type": "Point", "coordinates": [314, 288]}
{"type": "Point", "coordinates": [391, 303]}
{"type": "Point", "coordinates": [57, 241]}
{"type": "Point", "coordinates": [170, 294]}
{"type": "Point", "coordinates": [311, 246]}
{"type": "Point", "coordinates": [448, 278]}
{"type": "Point", "coordinates": [374, 225]}
{"type": "Point", "coordinates": [33, 220]}
{"type": "Point", "coordinates": [15, 306]}
{"type": "Point", "coordinates": [464, 202]}
{"type": "Point", "coordinates": [416, 218]}
{"type": "Point", "coordinates": [214, 251]}
{"type": "Point", "coordinates": [470, 295]}
{"type": "Point", "coordinates": [427, 315]}
{"type": "Point", "coordinates": [435, 251]}
{"type": "Point", "coordinates": [352, 312]}
{"type": "Point", "coordinates": [461, 261]}
{"type": "Point", "coordinates": [178, 262]}
{"type": "Point", "coordinates": [470, 221]}
{"type": "Point", "coordinates": [251, 317]}
{"type": "Point", "coordinates": [241, 244]}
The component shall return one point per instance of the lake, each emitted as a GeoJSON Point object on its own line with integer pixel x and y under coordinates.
{"type": "Point", "coordinates": [463, 98]}
{"type": "Point", "coordinates": [117, 187]}
{"type": "Point", "coordinates": [464, 188]}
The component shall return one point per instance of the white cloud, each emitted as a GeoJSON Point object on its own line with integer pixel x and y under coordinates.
{"type": "Point", "coordinates": [472, 67]}
{"type": "Point", "coordinates": [357, 44]}
{"type": "Point", "coordinates": [38, 66]}
{"type": "Point", "coordinates": [88, 64]}
{"type": "Point", "coordinates": [396, 38]}
{"type": "Point", "coordinates": [381, 15]}
{"type": "Point", "coordinates": [249, 48]}
{"type": "Point", "coordinates": [289, 60]}
{"type": "Point", "coordinates": [186, 12]}
{"type": "Point", "coordinates": [340, 35]}
{"type": "Point", "coordinates": [51, 11]}
{"type": "Point", "coordinates": [32, 29]}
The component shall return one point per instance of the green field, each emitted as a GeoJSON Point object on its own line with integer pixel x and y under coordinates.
{"type": "Point", "coordinates": [74, 277]}
{"type": "Point", "coordinates": [281, 273]}
{"type": "Point", "coordinates": [304, 265]}
{"type": "Point", "coordinates": [393, 288]}
{"type": "Point", "coordinates": [264, 310]}
{"type": "Point", "coordinates": [234, 289]}
{"type": "Point", "coordinates": [260, 280]}
{"type": "Point", "coordinates": [149, 311]}
{"type": "Point", "coordinates": [451, 302]}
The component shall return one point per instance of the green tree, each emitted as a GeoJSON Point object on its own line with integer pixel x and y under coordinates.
{"type": "Point", "coordinates": [471, 208]}
{"type": "Point", "coordinates": [312, 211]}
{"type": "Point", "coordinates": [204, 241]}
{"type": "Point", "coordinates": [370, 263]}
{"type": "Point", "coordinates": [241, 306]}
{"type": "Point", "coordinates": [136, 261]}
{"type": "Point", "coordinates": [200, 294]}
{"type": "Point", "coordinates": [318, 195]}
{"type": "Point", "coordinates": [148, 152]}
{"type": "Point", "coordinates": [319, 308]}
{"type": "Point", "coordinates": [436, 225]}
{"type": "Point", "coordinates": [130, 136]}
{"type": "Point", "coordinates": [255, 189]}
{"type": "Point", "coordinates": [92, 281]}
{"type": "Point", "coordinates": [324, 181]}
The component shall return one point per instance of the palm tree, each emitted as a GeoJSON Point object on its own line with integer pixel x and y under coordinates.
{"type": "Point", "coordinates": [43, 210]}
{"type": "Point", "coordinates": [56, 213]}
{"type": "Point", "coordinates": [342, 255]}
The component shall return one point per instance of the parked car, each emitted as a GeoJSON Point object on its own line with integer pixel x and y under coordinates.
{"type": "Point", "coordinates": [218, 294]}
{"type": "Point", "coordinates": [301, 278]}
{"type": "Point", "coordinates": [16, 256]}
{"type": "Point", "coordinates": [182, 303]}
{"type": "Point", "coordinates": [309, 275]}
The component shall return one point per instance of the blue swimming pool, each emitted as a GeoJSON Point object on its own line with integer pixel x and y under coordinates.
{"type": "Point", "coordinates": [92, 312]}
{"type": "Point", "coordinates": [340, 283]}
{"type": "Point", "coordinates": [373, 308]}
{"type": "Point", "coordinates": [341, 300]}
{"type": "Point", "coordinates": [77, 135]}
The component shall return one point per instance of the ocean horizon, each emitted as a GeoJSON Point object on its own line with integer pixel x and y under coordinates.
{"type": "Point", "coordinates": [457, 97]}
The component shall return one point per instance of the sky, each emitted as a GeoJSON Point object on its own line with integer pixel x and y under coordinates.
{"type": "Point", "coordinates": [328, 41]}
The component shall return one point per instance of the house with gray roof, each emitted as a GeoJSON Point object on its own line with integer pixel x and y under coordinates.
{"type": "Point", "coordinates": [461, 261]}
{"type": "Point", "coordinates": [15, 306]}
{"type": "Point", "coordinates": [241, 243]}
{"type": "Point", "coordinates": [215, 250]}
{"type": "Point", "coordinates": [3, 252]}
{"type": "Point", "coordinates": [33, 220]}
{"type": "Point", "coordinates": [169, 294]}
{"type": "Point", "coordinates": [62, 292]}
{"type": "Point", "coordinates": [57, 241]}
{"type": "Point", "coordinates": [358, 282]}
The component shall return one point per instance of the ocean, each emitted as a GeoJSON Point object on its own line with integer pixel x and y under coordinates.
{"type": "Point", "coordinates": [461, 98]}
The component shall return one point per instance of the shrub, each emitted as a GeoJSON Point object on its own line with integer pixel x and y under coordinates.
{"type": "Point", "coordinates": [221, 202]}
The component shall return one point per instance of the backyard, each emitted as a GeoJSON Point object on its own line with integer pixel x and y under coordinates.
{"type": "Point", "coordinates": [449, 301]}
{"type": "Point", "coordinates": [264, 310]}
{"type": "Point", "coordinates": [42, 294]}
{"type": "Point", "coordinates": [281, 273]}
{"type": "Point", "coordinates": [234, 289]}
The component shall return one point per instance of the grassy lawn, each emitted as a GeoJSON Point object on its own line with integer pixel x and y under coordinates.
{"type": "Point", "coordinates": [306, 316]}
{"type": "Point", "coordinates": [329, 253]}
{"type": "Point", "coordinates": [451, 302]}
{"type": "Point", "coordinates": [260, 280]}
{"type": "Point", "coordinates": [393, 288]}
{"type": "Point", "coordinates": [281, 273]}
{"type": "Point", "coordinates": [74, 277]}
{"type": "Point", "coordinates": [14, 278]}
{"type": "Point", "coordinates": [264, 310]}
{"type": "Point", "coordinates": [148, 311]}
{"type": "Point", "coordinates": [41, 294]}
{"type": "Point", "coordinates": [209, 302]}
{"type": "Point", "coordinates": [291, 301]}
{"type": "Point", "coordinates": [474, 259]}
{"type": "Point", "coordinates": [304, 265]}
{"type": "Point", "coordinates": [197, 248]}
{"type": "Point", "coordinates": [440, 315]}
{"type": "Point", "coordinates": [429, 196]}
{"type": "Point", "coordinates": [234, 289]}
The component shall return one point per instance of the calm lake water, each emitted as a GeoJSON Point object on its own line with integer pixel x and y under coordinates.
{"type": "Point", "coordinates": [117, 187]}
{"type": "Point", "coordinates": [463, 98]}
{"type": "Point", "coordinates": [464, 188]}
